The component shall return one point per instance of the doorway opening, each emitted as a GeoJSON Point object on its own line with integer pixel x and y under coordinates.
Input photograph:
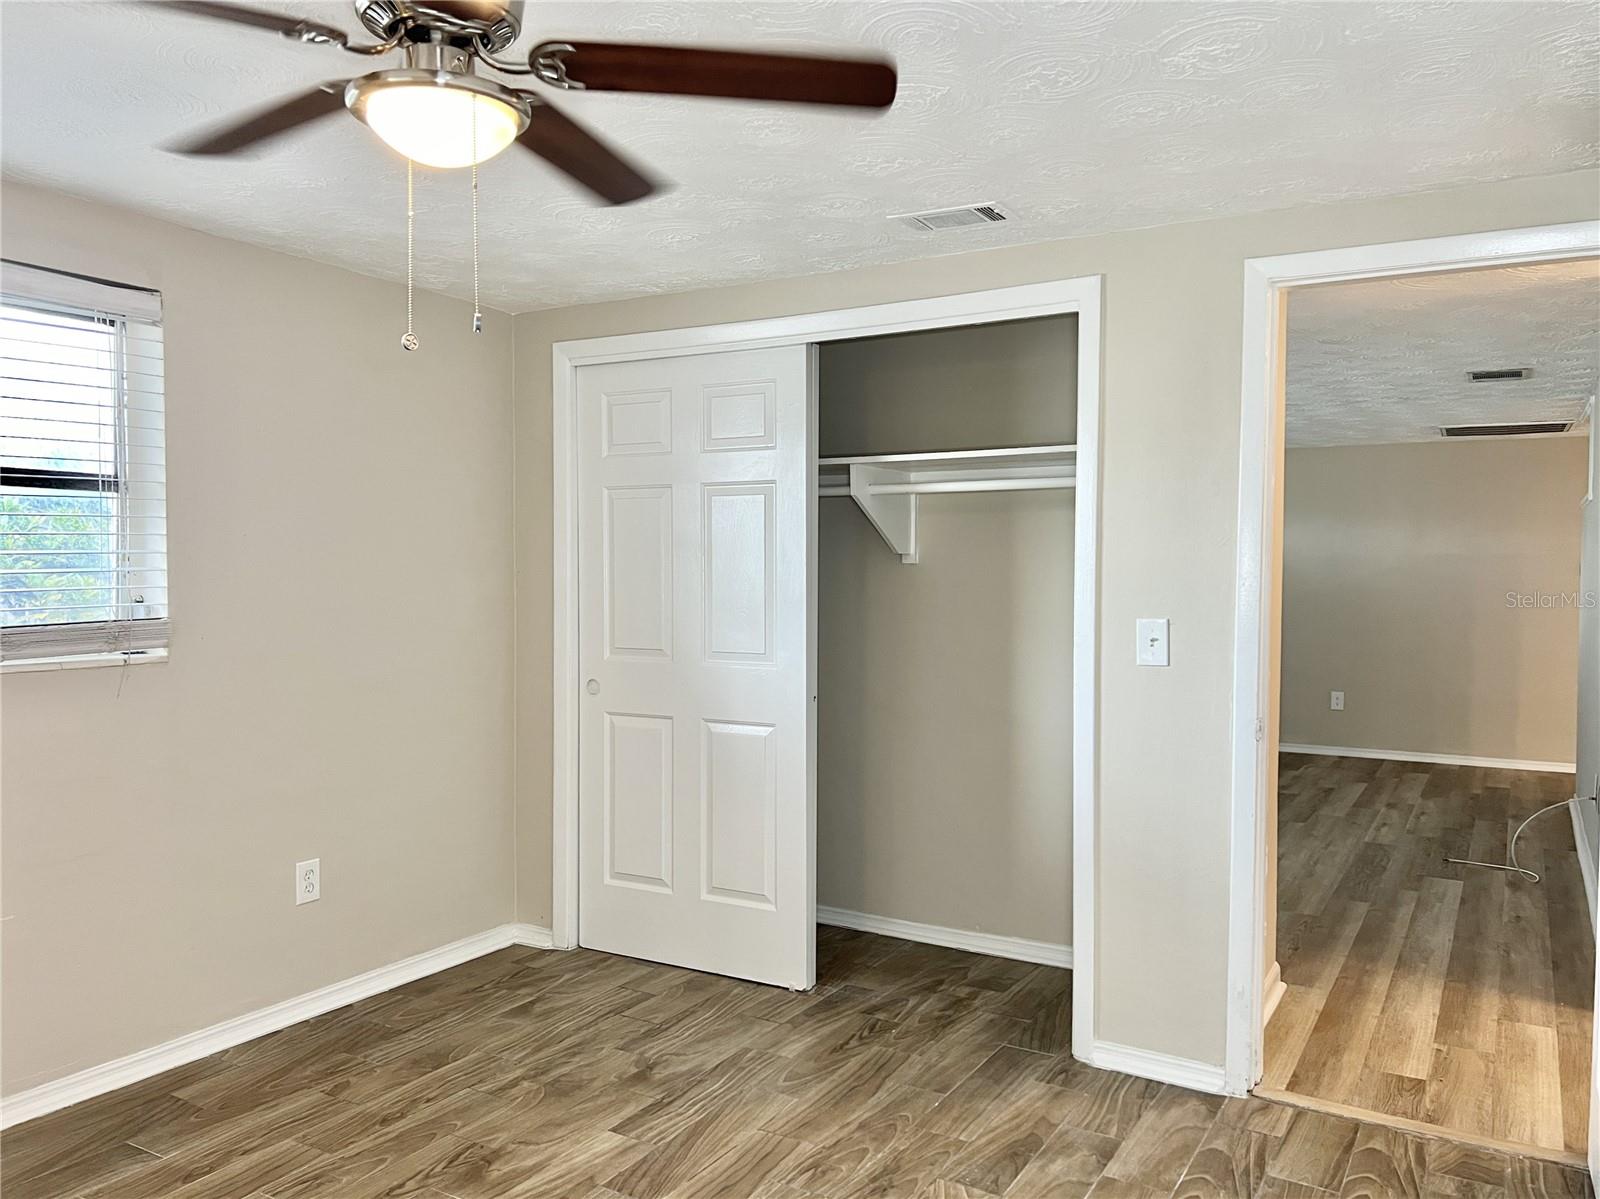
{"type": "Point", "coordinates": [1417, 630]}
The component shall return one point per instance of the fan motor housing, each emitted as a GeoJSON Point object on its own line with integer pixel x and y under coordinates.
{"type": "Point", "coordinates": [496, 22]}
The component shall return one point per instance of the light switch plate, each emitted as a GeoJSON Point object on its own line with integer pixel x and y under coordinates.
{"type": "Point", "coordinates": [1152, 649]}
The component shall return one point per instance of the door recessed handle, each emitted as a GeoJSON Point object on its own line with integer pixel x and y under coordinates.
{"type": "Point", "coordinates": [592, 686]}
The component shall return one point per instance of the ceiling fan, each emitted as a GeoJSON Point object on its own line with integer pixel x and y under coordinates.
{"type": "Point", "coordinates": [439, 111]}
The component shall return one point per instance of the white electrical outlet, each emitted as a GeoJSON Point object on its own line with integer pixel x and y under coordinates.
{"type": "Point", "coordinates": [1336, 701]}
{"type": "Point", "coordinates": [308, 881]}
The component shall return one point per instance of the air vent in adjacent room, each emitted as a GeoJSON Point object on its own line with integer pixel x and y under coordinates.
{"type": "Point", "coordinates": [939, 219]}
{"type": "Point", "coordinates": [1501, 375]}
{"type": "Point", "coordinates": [1527, 428]}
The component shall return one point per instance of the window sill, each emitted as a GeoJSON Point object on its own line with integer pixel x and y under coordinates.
{"type": "Point", "coordinates": [82, 661]}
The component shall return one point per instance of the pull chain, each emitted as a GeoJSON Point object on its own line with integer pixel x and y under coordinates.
{"type": "Point", "coordinates": [477, 312]}
{"type": "Point", "coordinates": [409, 341]}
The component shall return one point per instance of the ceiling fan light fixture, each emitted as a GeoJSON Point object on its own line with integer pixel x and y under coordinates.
{"type": "Point", "coordinates": [436, 118]}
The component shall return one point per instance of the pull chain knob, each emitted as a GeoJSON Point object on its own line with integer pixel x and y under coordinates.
{"type": "Point", "coordinates": [408, 340]}
{"type": "Point", "coordinates": [477, 311]}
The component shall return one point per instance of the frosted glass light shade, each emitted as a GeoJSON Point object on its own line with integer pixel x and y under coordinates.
{"type": "Point", "coordinates": [434, 125]}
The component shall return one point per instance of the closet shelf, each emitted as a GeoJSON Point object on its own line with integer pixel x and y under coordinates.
{"type": "Point", "coordinates": [886, 486]}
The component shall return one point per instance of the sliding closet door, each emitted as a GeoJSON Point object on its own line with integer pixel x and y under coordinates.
{"type": "Point", "coordinates": [696, 819]}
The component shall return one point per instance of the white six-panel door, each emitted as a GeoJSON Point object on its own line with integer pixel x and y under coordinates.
{"type": "Point", "coordinates": [696, 819]}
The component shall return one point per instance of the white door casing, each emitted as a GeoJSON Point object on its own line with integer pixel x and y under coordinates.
{"type": "Point", "coordinates": [1588, 748]}
{"type": "Point", "coordinates": [696, 811]}
{"type": "Point", "coordinates": [1266, 280]}
{"type": "Point", "coordinates": [1083, 296]}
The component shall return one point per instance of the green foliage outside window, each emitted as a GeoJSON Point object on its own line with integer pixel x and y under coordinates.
{"type": "Point", "coordinates": [57, 557]}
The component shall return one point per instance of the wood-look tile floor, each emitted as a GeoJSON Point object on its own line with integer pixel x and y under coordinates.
{"type": "Point", "coordinates": [1453, 996]}
{"type": "Point", "coordinates": [910, 1072]}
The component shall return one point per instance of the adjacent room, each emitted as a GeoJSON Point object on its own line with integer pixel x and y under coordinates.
{"type": "Point", "coordinates": [1434, 924]}
{"type": "Point", "coordinates": [674, 599]}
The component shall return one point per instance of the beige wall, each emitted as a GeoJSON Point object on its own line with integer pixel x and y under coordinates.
{"type": "Point", "coordinates": [1397, 562]}
{"type": "Point", "coordinates": [988, 386]}
{"type": "Point", "coordinates": [944, 789]}
{"type": "Point", "coordinates": [1171, 452]}
{"type": "Point", "coordinates": [340, 677]}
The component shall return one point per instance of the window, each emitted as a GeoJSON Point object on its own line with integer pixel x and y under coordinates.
{"type": "Point", "coordinates": [83, 515]}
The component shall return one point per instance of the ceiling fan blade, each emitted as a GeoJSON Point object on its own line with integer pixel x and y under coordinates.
{"type": "Point", "coordinates": [735, 74]}
{"type": "Point", "coordinates": [564, 143]}
{"type": "Point", "coordinates": [238, 14]}
{"type": "Point", "coordinates": [268, 123]}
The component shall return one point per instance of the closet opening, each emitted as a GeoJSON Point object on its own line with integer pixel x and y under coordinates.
{"type": "Point", "coordinates": [946, 475]}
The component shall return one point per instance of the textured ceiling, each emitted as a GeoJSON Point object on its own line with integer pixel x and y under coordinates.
{"type": "Point", "coordinates": [1082, 117]}
{"type": "Point", "coordinates": [1386, 360]}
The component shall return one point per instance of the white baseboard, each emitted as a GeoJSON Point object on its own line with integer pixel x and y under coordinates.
{"type": "Point", "coordinates": [1273, 993]}
{"type": "Point", "coordinates": [530, 935]}
{"type": "Point", "coordinates": [97, 1080]}
{"type": "Point", "coordinates": [1586, 862]}
{"type": "Point", "coordinates": [1162, 1067]}
{"type": "Point", "coordinates": [1045, 953]}
{"type": "Point", "coordinates": [1406, 755]}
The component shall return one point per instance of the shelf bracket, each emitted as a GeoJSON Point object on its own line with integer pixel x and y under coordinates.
{"type": "Point", "coordinates": [894, 516]}
{"type": "Point", "coordinates": [886, 486]}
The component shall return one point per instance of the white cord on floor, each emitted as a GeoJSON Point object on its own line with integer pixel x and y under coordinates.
{"type": "Point", "coordinates": [1514, 866]}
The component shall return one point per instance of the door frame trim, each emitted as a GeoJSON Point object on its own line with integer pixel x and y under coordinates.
{"type": "Point", "coordinates": [1080, 296]}
{"type": "Point", "coordinates": [1266, 284]}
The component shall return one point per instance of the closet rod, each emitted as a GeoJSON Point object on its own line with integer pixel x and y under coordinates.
{"type": "Point", "coordinates": [934, 487]}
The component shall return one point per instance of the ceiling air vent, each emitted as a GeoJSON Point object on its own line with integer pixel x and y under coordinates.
{"type": "Point", "coordinates": [1501, 375]}
{"type": "Point", "coordinates": [969, 215]}
{"type": "Point", "coordinates": [1527, 428]}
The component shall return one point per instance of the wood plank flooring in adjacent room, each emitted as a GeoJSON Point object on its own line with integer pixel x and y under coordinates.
{"type": "Point", "coordinates": [1453, 996]}
{"type": "Point", "coordinates": [910, 1072]}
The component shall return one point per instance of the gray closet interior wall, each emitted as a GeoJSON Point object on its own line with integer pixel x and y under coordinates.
{"type": "Point", "coordinates": [945, 687]}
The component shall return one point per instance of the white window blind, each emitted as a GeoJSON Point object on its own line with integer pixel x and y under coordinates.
{"type": "Point", "coordinates": [83, 510]}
